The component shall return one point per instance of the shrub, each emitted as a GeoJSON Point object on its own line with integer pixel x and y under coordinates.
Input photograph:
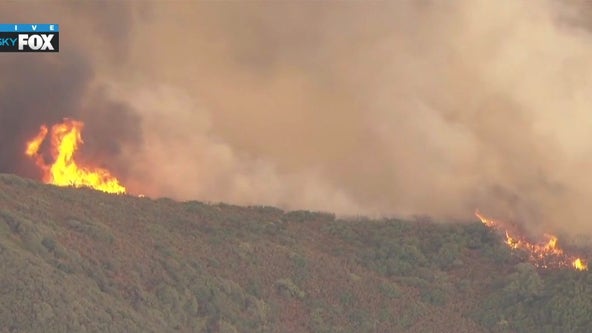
{"type": "Point", "coordinates": [390, 290]}
{"type": "Point", "coordinates": [287, 288]}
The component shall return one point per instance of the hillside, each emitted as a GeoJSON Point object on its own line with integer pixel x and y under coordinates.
{"type": "Point", "coordinates": [77, 260]}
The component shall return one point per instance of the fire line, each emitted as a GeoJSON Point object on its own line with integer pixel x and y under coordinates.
{"type": "Point", "coordinates": [543, 255]}
{"type": "Point", "coordinates": [65, 139]}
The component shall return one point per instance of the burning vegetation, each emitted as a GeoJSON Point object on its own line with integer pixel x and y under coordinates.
{"type": "Point", "coordinates": [65, 139]}
{"type": "Point", "coordinates": [545, 254]}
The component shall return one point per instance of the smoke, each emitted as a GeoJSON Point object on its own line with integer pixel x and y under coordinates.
{"type": "Point", "coordinates": [380, 108]}
{"type": "Point", "coordinates": [38, 89]}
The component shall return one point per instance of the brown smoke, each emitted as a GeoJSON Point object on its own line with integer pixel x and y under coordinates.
{"type": "Point", "coordinates": [401, 107]}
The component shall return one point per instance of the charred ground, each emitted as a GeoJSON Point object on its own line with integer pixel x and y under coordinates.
{"type": "Point", "coordinates": [85, 261]}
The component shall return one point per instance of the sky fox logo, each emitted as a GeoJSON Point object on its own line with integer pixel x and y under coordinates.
{"type": "Point", "coordinates": [29, 38]}
{"type": "Point", "coordinates": [35, 42]}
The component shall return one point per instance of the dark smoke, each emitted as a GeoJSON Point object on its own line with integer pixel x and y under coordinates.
{"type": "Point", "coordinates": [41, 89]}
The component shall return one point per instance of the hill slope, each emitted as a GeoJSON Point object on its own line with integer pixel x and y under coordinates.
{"type": "Point", "coordinates": [78, 260]}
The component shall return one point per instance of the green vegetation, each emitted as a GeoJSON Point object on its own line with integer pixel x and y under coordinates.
{"type": "Point", "coordinates": [76, 260]}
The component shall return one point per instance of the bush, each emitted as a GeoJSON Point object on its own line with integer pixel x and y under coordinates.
{"type": "Point", "coordinates": [434, 296]}
{"type": "Point", "coordinates": [390, 290]}
{"type": "Point", "coordinates": [287, 288]}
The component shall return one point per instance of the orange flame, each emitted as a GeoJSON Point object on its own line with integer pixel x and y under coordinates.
{"type": "Point", "coordinates": [64, 171]}
{"type": "Point", "coordinates": [543, 255]}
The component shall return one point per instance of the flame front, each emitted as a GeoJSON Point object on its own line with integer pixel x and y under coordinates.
{"type": "Point", "coordinates": [579, 265]}
{"type": "Point", "coordinates": [543, 255]}
{"type": "Point", "coordinates": [65, 171]}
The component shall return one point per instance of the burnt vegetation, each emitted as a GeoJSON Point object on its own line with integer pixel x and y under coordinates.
{"type": "Point", "coordinates": [77, 260]}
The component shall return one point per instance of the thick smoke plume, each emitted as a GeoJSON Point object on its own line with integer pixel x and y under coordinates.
{"type": "Point", "coordinates": [41, 89]}
{"type": "Point", "coordinates": [401, 107]}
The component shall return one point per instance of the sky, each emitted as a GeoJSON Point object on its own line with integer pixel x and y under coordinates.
{"type": "Point", "coordinates": [380, 108]}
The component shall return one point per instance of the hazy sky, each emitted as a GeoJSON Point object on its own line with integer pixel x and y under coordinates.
{"type": "Point", "coordinates": [397, 107]}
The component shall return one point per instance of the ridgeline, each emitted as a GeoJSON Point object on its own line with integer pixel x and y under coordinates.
{"type": "Point", "coordinates": [78, 260]}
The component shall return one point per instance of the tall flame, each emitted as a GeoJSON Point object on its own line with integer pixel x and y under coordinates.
{"type": "Point", "coordinates": [65, 171]}
{"type": "Point", "coordinates": [546, 254]}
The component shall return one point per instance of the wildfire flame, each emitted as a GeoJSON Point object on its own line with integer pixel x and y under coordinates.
{"type": "Point", "coordinates": [546, 254]}
{"type": "Point", "coordinates": [65, 171]}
